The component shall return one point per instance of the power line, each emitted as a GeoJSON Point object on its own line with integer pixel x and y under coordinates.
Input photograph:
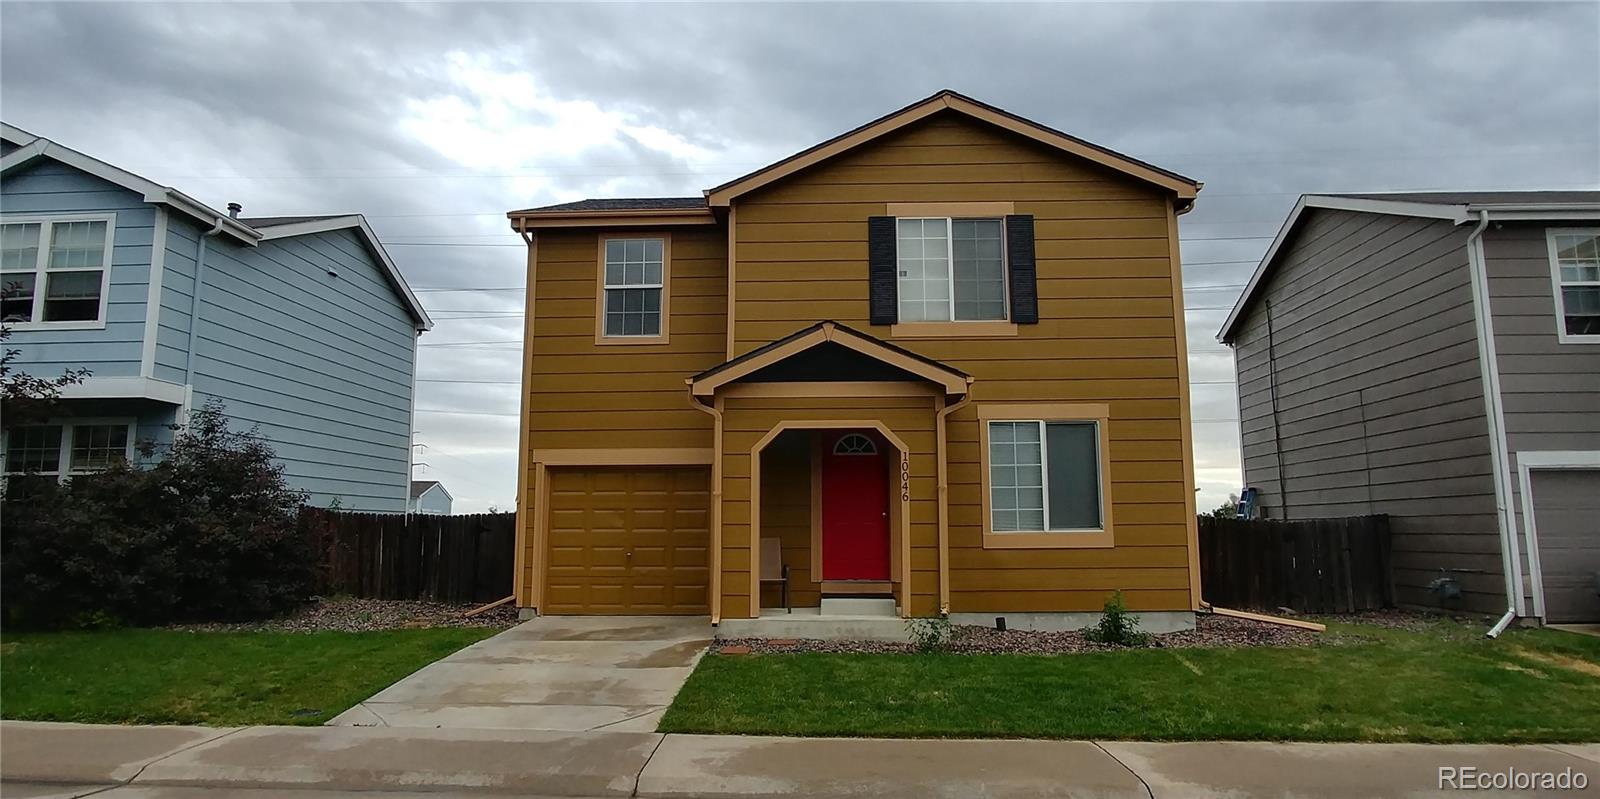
{"type": "Point", "coordinates": [456, 412]}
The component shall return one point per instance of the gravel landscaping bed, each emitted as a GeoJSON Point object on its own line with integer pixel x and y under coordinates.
{"type": "Point", "coordinates": [1209, 631]}
{"type": "Point", "coordinates": [345, 614]}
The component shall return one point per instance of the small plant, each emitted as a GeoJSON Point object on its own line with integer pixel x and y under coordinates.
{"type": "Point", "coordinates": [930, 634]}
{"type": "Point", "coordinates": [1117, 626]}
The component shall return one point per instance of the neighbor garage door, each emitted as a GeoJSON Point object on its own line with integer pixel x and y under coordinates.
{"type": "Point", "coordinates": [628, 541]}
{"type": "Point", "coordinates": [1566, 504]}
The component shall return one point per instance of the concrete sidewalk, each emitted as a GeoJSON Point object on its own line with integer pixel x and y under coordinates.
{"type": "Point", "coordinates": [40, 759]}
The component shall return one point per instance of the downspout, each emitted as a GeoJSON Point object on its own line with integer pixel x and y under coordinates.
{"type": "Point", "coordinates": [715, 410]}
{"type": "Point", "coordinates": [941, 428]}
{"type": "Point", "coordinates": [194, 308]}
{"type": "Point", "coordinates": [1511, 559]}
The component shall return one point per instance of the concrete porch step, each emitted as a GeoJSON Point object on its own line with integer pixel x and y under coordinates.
{"type": "Point", "coordinates": [870, 607]}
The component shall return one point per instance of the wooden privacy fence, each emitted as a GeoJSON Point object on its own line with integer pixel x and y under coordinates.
{"type": "Point", "coordinates": [419, 556]}
{"type": "Point", "coordinates": [1310, 566]}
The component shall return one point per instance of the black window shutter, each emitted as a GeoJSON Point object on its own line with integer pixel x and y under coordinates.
{"type": "Point", "coordinates": [1020, 264]}
{"type": "Point", "coordinates": [882, 270]}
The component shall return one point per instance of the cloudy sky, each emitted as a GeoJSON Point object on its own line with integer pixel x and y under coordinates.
{"type": "Point", "coordinates": [433, 120]}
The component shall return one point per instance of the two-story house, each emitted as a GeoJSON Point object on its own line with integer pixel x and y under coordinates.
{"type": "Point", "coordinates": [1436, 357]}
{"type": "Point", "coordinates": [934, 364]}
{"type": "Point", "coordinates": [301, 326]}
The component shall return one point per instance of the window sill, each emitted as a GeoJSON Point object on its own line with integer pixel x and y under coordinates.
{"type": "Point", "coordinates": [1568, 338]}
{"type": "Point", "coordinates": [630, 341]}
{"type": "Point", "coordinates": [996, 329]}
{"type": "Point", "coordinates": [1075, 539]}
{"type": "Point", "coordinates": [20, 326]}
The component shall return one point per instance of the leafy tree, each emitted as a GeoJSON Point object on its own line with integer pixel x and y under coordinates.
{"type": "Point", "coordinates": [1229, 509]}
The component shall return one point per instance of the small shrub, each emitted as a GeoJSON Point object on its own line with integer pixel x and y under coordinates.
{"type": "Point", "coordinates": [208, 534]}
{"type": "Point", "coordinates": [930, 634]}
{"type": "Point", "coordinates": [1117, 626]}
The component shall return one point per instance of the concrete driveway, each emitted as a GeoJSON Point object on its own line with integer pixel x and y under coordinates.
{"type": "Point", "coordinates": [555, 673]}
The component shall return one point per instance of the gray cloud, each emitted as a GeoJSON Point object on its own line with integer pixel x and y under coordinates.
{"type": "Point", "coordinates": [328, 107]}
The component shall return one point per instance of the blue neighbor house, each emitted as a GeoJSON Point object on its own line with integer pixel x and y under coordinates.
{"type": "Point", "coordinates": [300, 326]}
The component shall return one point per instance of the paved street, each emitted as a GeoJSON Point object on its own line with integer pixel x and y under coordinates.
{"type": "Point", "coordinates": [329, 762]}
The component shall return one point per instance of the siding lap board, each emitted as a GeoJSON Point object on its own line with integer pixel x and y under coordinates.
{"type": "Point", "coordinates": [322, 364]}
{"type": "Point", "coordinates": [1379, 395]}
{"type": "Point", "coordinates": [115, 351]}
{"type": "Point", "coordinates": [1105, 334]}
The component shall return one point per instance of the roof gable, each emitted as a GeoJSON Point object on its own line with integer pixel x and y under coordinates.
{"type": "Point", "coordinates": [1183, 188]}
{"type": "Point", "coordinates": [283, 227]}
{"type": "Point", "coordinates": [831, 338]}
{"type": "Point", "coordinates": [32, 148]}
{"type": "Point", "coordinates": [1456, 207]}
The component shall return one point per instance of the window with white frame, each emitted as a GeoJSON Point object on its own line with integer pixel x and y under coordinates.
{"type": "Point", "coordinates": [59, 450]}
{"type": "Point", "coordinates": [1044, 476]}
{"type": "Point", "coordinates": [55, 270]}
{"type": "Point", "coordinates": [634, 282]}
{"type": "Point", "coordinates": [1575, 269]}
{"type": "Point", "coordinates": [951, 269]}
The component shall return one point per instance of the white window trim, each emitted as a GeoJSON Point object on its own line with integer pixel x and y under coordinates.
{"type": "Point", "coordinates": [1562, 336]}
{"type": "Point", "coordinates": [41, 279]}
{"type": "Point", "coordinates": [606, 287]}
{"type": "Point", "coordinates": [950, 264]}
{"type": "Point", "coordinates": [1044, 466]}
{"type": "Point", "coordinates": [64, 468]}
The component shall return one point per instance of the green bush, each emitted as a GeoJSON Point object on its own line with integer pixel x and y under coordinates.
{"type": "Point", "coordinates": [1117, 626]}
{"type": "Point", "coordinates": [930, 634]}
{"type": "Point", "coordinates": [209, 533]}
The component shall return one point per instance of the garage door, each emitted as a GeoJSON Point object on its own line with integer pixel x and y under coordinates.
{"type": "Point", "coordinates": [1566, 504]}
{"type": "Point", "coordinates": [628, 541]}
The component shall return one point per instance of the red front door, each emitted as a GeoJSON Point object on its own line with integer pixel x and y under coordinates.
{"type": "Point", "coordinates": [855, 508]}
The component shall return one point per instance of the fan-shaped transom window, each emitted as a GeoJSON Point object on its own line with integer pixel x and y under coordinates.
{"type": "Point", "coordinates": [855, 444]}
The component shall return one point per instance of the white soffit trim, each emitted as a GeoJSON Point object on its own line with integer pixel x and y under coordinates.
{"type": "Point", "coordinates": [359, 222]}
{"type": "Point", "coordinates": [151, 191]}
{"type": "Point", "coordinates": [125, 388]}
{"type": "Point", "coordinates": [1452, 213]}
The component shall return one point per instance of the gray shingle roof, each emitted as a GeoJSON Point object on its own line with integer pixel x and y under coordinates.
{"type": "Point", "coordinates": [627, 204]}
{"type": "Point", "coordinates": [1482, 197]}
{"type": "Point", "coordinates": [274, 221]}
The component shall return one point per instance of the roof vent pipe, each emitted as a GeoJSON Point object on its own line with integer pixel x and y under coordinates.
{"type": "Point", "coordinates": [234, 209]}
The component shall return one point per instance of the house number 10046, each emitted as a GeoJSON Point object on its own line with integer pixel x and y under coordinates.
{"type": "Point", "coordinates": [905, 478]}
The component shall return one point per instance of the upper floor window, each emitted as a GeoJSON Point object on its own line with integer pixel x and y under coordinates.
{"type": "Point", "coordinates": [55, 270]}
{"type": "Point", "coordinates": [951, 269]}
{"type": "Point", "coordinates": [1575, 271]}
{"type": "Point", "coordinates": [633, 287]}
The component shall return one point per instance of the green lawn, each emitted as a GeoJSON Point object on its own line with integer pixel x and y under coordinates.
{"type": "Point", "coordinates": [1447, 684]}
{"type": "Point", "coordinates": [217, 678]}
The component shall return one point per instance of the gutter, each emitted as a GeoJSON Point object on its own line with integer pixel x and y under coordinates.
{"type": "Point", "coordinates": [942, 432]}
{"type": "Point", "coordinates": [194, 299]}
{"type": "Point", "coordinates": [715, 600]}
{"type": "Point", "coordinates": [1494, 413]}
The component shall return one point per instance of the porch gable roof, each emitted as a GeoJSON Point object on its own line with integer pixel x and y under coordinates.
{"type": "Point", "coordinates": [953, 381]}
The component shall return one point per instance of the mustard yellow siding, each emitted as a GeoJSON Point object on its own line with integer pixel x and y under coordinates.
{"type": "Point", "coordinates": [1107, 333]}
{"type": "Point", "coordinates": [746, 420]}
{"type": "Point", "coordinates": [786, 515]}
{"type": "Point", "coordinates": [585, 395]}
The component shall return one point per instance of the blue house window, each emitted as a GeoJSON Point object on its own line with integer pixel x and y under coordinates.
{"type": "Point", "coordinates": [54, 271]}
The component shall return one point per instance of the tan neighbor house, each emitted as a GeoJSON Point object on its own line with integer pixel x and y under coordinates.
{"type": "Point", "coordinates": [938, 359]}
